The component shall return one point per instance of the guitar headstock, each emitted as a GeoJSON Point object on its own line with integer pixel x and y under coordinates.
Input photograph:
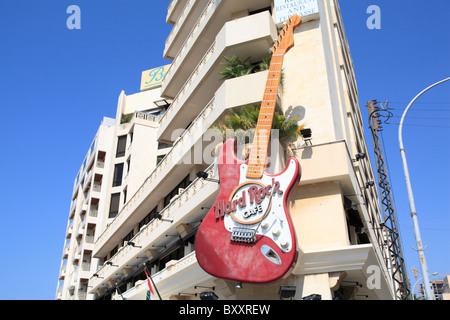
{"type": "Point", "coordinates": [285, 40]}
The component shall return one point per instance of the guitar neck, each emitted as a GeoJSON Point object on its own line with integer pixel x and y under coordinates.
{"type": "Point", "coordinates": [258, 153]}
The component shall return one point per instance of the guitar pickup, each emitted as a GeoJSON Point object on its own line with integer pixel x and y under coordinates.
{"type": "Point", "coordinates": [243, 235]}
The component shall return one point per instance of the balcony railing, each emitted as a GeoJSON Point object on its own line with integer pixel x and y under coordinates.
{"type": "Point", "coordinates": [93, 212]}
{"type": "Point", "coordinates": [179, 147]}
{"type": "Point", "coordinates": [188, 83]}
{"type": "Point", "coordinates": [180, 21]}
{"type": "Point", "coordinates": [201, 84]}
{"type": "Point", "coordinates": [97, 187]}
{"type": "Point", "coordinates": [173, 11]}
{"type": "Point", "coordinates": [100, 164]}
{"type": "Point", "coordinates": [174, 270]}
{"type": "Point", "coordinates": [145, 116]}
{"type": "Point", "coordinates": [154, 229]}
{"type": "Point", "coordinates": [210, 8]}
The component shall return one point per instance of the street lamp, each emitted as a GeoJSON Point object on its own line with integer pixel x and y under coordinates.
{"type": "Point", "coordinates": [417, 281]}
{"type": "Point", "coordinates": [420, 250]}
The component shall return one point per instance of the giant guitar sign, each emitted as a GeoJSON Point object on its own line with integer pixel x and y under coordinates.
{"type": "Point", "coordinates": [248, 235]}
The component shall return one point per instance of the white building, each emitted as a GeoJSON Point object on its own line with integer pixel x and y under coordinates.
{"type": "Point", "coordinates": [151, 201]}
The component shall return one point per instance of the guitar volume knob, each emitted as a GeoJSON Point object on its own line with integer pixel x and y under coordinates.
{"type": "Point", "coordinates": [276, 232]}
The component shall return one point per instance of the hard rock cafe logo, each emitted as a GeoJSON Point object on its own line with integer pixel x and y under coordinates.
{"type": "Point", "coordinates": [249, 202]}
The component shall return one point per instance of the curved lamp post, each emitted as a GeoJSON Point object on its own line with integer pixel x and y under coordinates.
{"type": "Point", "coordinates": [420, 249]}
{"type": "Point", "coordinates": [417, 281]}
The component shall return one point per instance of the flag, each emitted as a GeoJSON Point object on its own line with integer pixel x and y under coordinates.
{"type": "Point", "coordinates": [150, 293]}
{"type": "Point", "coordinates": [116, 296]}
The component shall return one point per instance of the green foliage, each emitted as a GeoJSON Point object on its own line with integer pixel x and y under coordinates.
{"type": "Point", "coordinates": [264, 64]}
{"type": "Point", "coordinates": [288, 127]}
{"type": "Point", "coordinates": [126, 118]}
{"type": "Point", "coordinates": [246, 119]}
{"type": "Point", "coordinates": [235, 67]}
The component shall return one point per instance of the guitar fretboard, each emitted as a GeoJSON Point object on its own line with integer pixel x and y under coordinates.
{"type": "Point", "coordinates": [258, 153]}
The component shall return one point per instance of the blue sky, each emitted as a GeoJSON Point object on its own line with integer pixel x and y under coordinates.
{"type": "Point", "coordinates": [56, 85]}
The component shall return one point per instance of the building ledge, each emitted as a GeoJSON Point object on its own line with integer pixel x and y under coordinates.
{"type": "Point", "coordinates": [174, 11]}
{"type": "Point", "coordinates": [358, 261]}
{"type": "Point", "coordinates": [236, 38]}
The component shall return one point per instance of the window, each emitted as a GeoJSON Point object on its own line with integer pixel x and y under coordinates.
{"type": "Point", "coordinates": [114, 205]}
{"type": "Point", "coordinates": [118, 173]}
{"type": "Point", "coordinates": [183, 184]}
{"type": "Point", "coordinates": [174, 255]}
{"type": "Point", "coordinates": [121, 146]}
{"type": "Point", "coordinates": [152, 214]}
{"type": "Point", "coordinates": [260, 10]}
{"type": "Point", "coordinates": [128, 164]}
{"type": "Point", "coordinates": [113, 251]}
{"type": "Point", "coordinates": [128, 237]}
{"type": "Point", "coordinates": [163, 145]}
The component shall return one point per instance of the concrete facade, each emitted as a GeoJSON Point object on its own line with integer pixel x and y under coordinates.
{"type": "Point", "coordinates": [335, 214]}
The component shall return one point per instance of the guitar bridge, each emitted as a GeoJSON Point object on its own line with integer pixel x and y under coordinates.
{"type": "Point", "coordinates": [243, 235]}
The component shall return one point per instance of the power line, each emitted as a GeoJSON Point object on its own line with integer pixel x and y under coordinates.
{"type": "Point", "coordinates": [445, 102]}
{"type": "Point", "coordinates": [423, 109]}
{"type": "Point", "coordinates": [420, 125]}
{"type": "Point", "coordinates": [436, 118]}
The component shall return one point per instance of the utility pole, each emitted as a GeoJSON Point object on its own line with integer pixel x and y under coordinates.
{"type": "Point", "coordinates": [394, 260]}
{"type": "Point", "coordinates": [420, 249]}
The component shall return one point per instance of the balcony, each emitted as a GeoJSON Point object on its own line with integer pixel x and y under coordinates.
{"type": "Point", "coordinates": [62, 272]}
{"type": "Point", "coordinates": [235, 92]}
{"type": "Point", "coordinates": [186, 20]}
{"type": "Point", "coordinates": [59, 293]}
{"type": "Point", "coordinates": [236, 38]}
{"type": "Point", "coordinates": [179, 276]}
{"type": "Point", "coordinates": [201, 36]}
{"type": "Point", "coordinates": [174, 11]}
{"type": "Point", "coordinates": [184, 209]}
{"type": "Point", "coordinates": [66, 250]}
{"type": "Point", "coordinates": [73, 206]}
{"type": "Point", "coordinates": [87, 183]}
{"type": "Point", "coordinates": [69, 230]}
{"type": "Point", "coordinates": [82, 209]}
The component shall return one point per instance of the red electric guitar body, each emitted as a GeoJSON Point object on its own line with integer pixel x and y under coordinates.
{"type": "Point", "coordinates": [248, 235]}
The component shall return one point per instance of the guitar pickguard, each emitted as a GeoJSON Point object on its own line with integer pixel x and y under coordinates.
{"type": "Point", "coordinates": [259, 209]}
